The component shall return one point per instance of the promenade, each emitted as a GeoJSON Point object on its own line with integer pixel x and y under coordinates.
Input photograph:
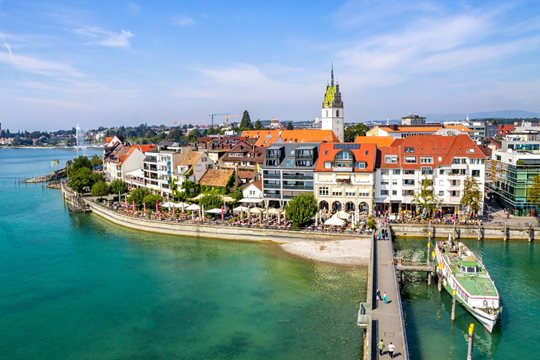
{"type": "Point", "coordinates": [387, 319]}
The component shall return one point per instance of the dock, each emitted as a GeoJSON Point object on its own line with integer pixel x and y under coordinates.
{"type": "Point", "coordinates": [383, 321]}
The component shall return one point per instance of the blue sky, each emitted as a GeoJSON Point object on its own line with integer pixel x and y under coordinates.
{"type": "Point", "coordinates": [122, 63]}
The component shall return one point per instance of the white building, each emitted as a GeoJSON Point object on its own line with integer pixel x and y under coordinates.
{"type": "Point", "coordinates": [332, 115]}
{"type": "Point", "coordinates": [445, 161]}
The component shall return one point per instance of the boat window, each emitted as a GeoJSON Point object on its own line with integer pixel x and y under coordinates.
{"type": "Point", "coordinates": [471, 269]}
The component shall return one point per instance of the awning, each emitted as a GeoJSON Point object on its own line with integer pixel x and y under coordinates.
{"type": "Point", "coordinates": [193, 207]}
{"type": "Point", "coordinates": [136, 173]}
{"type": "Point", "coordinates": [240, 208]}
{"type": "Point", "coordinates": [334, 221]}
{"type": "Point", "coordinates": [214, 211]}
{"type": "Point", "coordinates": [251, 200]}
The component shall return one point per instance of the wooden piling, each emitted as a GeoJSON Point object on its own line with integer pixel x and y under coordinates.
{"type": "Point", "coordinates": [505, 231]}
{"type": "Point", "coordinates": [470, 343]}
{"type": "Point", "coordinates": [531, 233]}
{"type": "Point", "coordinates": [453, 316]}
{"type": "Point", "coordinates": [439, 285]}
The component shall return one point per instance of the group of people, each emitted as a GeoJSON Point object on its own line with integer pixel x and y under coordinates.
{"type": "Point", "coordinates": [383, 296]}
{"type": "Point", "coordinates": [391, 349]}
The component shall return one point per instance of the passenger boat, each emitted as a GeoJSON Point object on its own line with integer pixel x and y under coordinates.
{"type": "Point", "coordinates": [464, 272]}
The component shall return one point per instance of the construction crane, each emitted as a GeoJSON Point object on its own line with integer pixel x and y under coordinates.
{"type": "Point", "coordinates": [218, 114]}
{"type": "Point", "coordinates": [227, 117]}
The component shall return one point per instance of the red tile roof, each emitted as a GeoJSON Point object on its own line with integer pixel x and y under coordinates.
{"type": "Point", "coordinates": [377, 140]}
{"type": "Point", "coordinates": [266, 138]}
{"type": "Point", "coordinates": [442, 149]}
{"type": "Point", "coordinates": [365, 153]}
{"type": "Point", "coordinates": [216, 177]}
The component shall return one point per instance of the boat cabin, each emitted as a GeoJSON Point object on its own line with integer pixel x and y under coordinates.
{"type": "Point", "coordinates": [469, 267]}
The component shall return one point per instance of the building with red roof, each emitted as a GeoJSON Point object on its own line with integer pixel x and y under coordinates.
{"type": "Point", "coordinates": [124, 159]}
{"type": "Point", "coordinates": [444, 161]}
{"type": "Point", "coordinates": [344, 176]}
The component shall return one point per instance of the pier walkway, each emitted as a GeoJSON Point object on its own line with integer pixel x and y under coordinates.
{"type": "Point", "coordinates": [387, 319]}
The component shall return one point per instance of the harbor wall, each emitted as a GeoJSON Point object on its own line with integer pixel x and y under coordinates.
{"type": "Point", "coordinates": [488, 232]}
{"type": "Point", "coordinates": [216, 231]}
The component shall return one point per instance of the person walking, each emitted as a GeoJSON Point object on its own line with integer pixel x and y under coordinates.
{"type": "Point", "coordinates": [379, 297]}
{"type": "Point", "coordinates": [391, 349]}
{"type": "Point", "coordinates": [385, 297]}
{"type": "Point", "coordinates": [380, 346]}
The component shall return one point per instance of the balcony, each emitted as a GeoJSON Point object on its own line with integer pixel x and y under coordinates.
{"type": "Point", "coordinates": [271, 176]}
{"type": "Point", "coordinates": [297, 177]}
{"type": "Point", "coordinates": [272, 186]}
{"type": "Point", "coordinates": [298, 187]}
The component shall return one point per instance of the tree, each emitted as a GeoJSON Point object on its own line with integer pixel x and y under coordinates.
{"type": "Point", "coordinates": [301, 209]}
{"type": "Point", "coordinates": [211, 201]}
{"type": "Point", "coordinates": [472, 195]}
{"type": "Point", "coordinates": [352, 131]}
{"type": "Point", "coordinates": [137, 196]}
{"type": "Point", "coordinates": [175, 134]}
{"type": "Point", "coordinates": [245, 123]}
{"type": "Point", "coordinates": [118, 186]}
{"type": "Point", "coordinates": [150, 201]}
{"type": "Point", "coordinates": [290, 126]}
{"type": "Point", "coordinates": [534, 191]}
{"type": "Point", "coordinates": [193, 136]}
{"type": "Point", "coordinates": [100, 189]}
{"type": "Point", "coordinates": [96, 161]}
{"type": "Point", "coordinates": [79, 163]}
{"type": "Point", "coordinates": [425, 197]}
{"type": "Point", "coordinates": [83, 179]}
{"type": "Point", "coordinates": [258, 125]}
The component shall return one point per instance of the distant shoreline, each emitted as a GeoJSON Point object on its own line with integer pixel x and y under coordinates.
{"type": "Point", "coordinates": [47, 147]}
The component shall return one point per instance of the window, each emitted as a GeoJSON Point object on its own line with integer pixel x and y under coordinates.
{"type": "Point", "coordinates": [384, 181]}
{"type": "Point", "coordinates": [337, 113]}
{"type": "Point", "coordinates": [408, 192]}
{"type": "Point", "coordinates": [426, 160]}
{"type": "Point", "coordinates": [390, 159]}
{"type": "Point", "coordinates": [394, 181]}
{"type": "Point", "coordinates": [350, 193]}
{"type": "Point", "coordinates": [441, 172]}
{"type": "Point", "coordinates": [408, 182]}
{"type": "Point", "coordinates": [251, 192]}
{"type": "Point", "coordinates": [327, 165]}
{"type": "Point", "coordinates": [361, 165]}
{"type": "Point", "coordinates": [475, 173]}
{"type": "Point", "coordinates": [337, 192]}
{"type": "Point", "coordinates": [323, 191]}
{"type": "Point", "coordinates": [394, 192]}
{"type": "Point", "coordinates": [384, 171]}
{"type": "Point", "coordinates": [384, 192]}
{"type": "Point", "coordinates": [410, 159]}
{"type": "Point", "coordinates": [408, 172]}
{"type": "Point", "coordinates": [396, 171]}
{"type": "Point", "coordinates": [344, 155]}
{"type": "Point", "coordinates": [441, 193]}
{"type": "Point", "coordinates": [363, 194]}
{"type": "Point", "coordinates": [409, 150]}
{"type": "Point", "coordinates": [427, 170]}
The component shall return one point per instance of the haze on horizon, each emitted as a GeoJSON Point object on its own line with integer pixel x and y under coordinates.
{"type": "Point", "coordinates": [126, 63]}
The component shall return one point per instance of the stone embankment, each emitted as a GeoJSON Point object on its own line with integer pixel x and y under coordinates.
{"type": "Point", "coordinates": [488, 232]}
{"type": "Point", "coordinates": [336, 248]}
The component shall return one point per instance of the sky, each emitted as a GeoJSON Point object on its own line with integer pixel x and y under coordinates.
{"type": "Point", "coordinates": [112, 63]}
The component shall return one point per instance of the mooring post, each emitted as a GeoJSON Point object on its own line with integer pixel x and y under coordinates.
{"type": "Point", "coordinates": [439, 285]}
{"type": "Point", "coordinates": [531, 233]}
{"type": "Point", "coordinates": [453, 316]}
{"type": "Point", "coordinates": [506, 231]}
{"type": "Point", "coordinates": [470, 345]}
{"type": "Point", "coordinates": [428, 252]}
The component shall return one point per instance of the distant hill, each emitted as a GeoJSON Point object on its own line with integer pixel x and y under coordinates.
{"type": "Point", "coordinates": [503, 114]}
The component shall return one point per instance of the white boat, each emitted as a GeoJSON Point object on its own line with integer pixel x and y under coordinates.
{"type": "Point", "coordinates": [464, 272]}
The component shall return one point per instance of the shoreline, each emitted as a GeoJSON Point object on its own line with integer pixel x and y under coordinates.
{"type": "Point", "coordinates": [333, 248]}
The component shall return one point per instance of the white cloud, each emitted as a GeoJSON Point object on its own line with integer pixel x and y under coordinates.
{"type": "Point", "coordinates": [99, 36]}
{"type": "Point", "coordinates": [40, 66]}
{"type": "Point", "coordinates": [183, 21]}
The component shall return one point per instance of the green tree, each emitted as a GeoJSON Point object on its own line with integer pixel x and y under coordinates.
{"type": "Point", "coordinates": [150, 201]}
{"type": "Point", "coordinates": [290, 126]}
{"type": "Point", "coordinates": [211, 201]}
{"type": "Point", "coordinates": [472, 195]}
{"type": "Point", "coordinates": [245, 123]}
{"type": "Point", "coordinates": [258, 125]}
{"type": "Point", "coordinates": [301, 209]}
{"type": "Point", "coordinates": [175, 134]}
{"type": "Point", "coordinates": [237, 195]}
{"type": "Point", "coordinates": [534, 191]}
{"type": "Point", "coordinates": [100, 189]}
{"type": "Point", "coordinates": [193, 136]}
{"type": "Point", "coordinates": [83, 179]}
{"type": "Point", "coordinates": [352, 131]}
{"type": "Point", "coordinates": [96, 161]}
{"type": "Point", "coordinates": [425, 197]}
{"type": "Point", "coordinates": [118, 186]}
{"type": "Point", "coordinates": [137, 196]}
{"type": "Point", "coordinates": [79, 163]}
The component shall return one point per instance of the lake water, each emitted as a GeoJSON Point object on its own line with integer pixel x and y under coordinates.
{"type": "Point", "coordinates": [73, 286]}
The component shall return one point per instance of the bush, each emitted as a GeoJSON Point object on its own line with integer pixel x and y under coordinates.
{"type": "Point", "coordinates": [118, 187]}
{"type": "Point", "coordinates": [301, 209]}
{"type": "Point", "coordinates": [150, 201]}
{"type": "Point", "coordinates": [137, 196]}
{"type": "Point", "coordinates": [371, 224]}
{"type": "Point", "coordinates": [83, 179]}
{"type": "Point", "coordinates": [211, 201]}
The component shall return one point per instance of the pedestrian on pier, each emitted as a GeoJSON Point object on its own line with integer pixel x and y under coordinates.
{"type": "Point", "coordinates": [380, 346]}
{"type": "Point", "coordinates": [379, 297]}
{"type": "Point", "coordinates": [391, 348]}
{"type": "Point", "coordinates": [385, 297]}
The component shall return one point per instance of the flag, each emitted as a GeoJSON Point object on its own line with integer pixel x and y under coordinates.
{"type": "Point", "coordinates": [55, 163]}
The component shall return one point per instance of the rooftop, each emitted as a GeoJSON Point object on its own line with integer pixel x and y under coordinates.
{"type": "Point", "coordinates": [216, 177]}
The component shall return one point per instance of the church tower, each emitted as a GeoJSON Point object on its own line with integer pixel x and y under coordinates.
{"type": "Point", "coordinates": [332, 109]}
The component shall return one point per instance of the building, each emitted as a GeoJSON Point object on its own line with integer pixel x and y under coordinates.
{"type": "Point", "coordinates": [413, 120]}
{"type": "Point", "coordinates": [288, 171]}
{"type": "Point", "coordinates": [505, 129]}
{"type": "Point", "coordinates": [123, 160]}
{"type": "Point", "coordinates": [245, 158]}
{"type": "Point", "coordinates": [218, 145]}
{"type": "Point", "coordinates": [481, 130]}
{"type": "Point", "coordinates": [444, 161]}
{"type": "Point", "coordinates": [512, 169]}
{"type": "Point", "coordinates": [403, 131]}
{"type": "Point", "coordinates": [192, 166]}
{"type": "Point", "coordinates": [332, 115]}
{"type": "Point", "coordinates": [159, 170]}
{"type": "Point", "coordinates": [252, 193]}
{"type": "Point", "coordinates": [217, 178]}
{"type": "Point", "coordinates": [266, 138]}
{"type": "Point", "coordinates": [344, 177]}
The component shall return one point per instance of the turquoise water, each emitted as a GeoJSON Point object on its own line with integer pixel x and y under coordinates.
{"type": "Point", "coordinates": [73, 286]}
{"type": "Point", "coordinates": [515, 268]}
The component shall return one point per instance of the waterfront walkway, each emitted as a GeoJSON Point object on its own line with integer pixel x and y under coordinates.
{"type": "Point", "coordinates": [387, 319]}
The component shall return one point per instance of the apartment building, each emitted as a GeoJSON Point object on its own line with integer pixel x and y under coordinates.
{"type": "Point", "coordinates": [445, 161]}
{"type": "Point", "coordinates": [344, 176]}
{"type": "Point", "coordinates": [288, 171]}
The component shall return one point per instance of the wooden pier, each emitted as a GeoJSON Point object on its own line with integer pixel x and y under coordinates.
{"type": "Point", "coordinates": [380, 320]}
